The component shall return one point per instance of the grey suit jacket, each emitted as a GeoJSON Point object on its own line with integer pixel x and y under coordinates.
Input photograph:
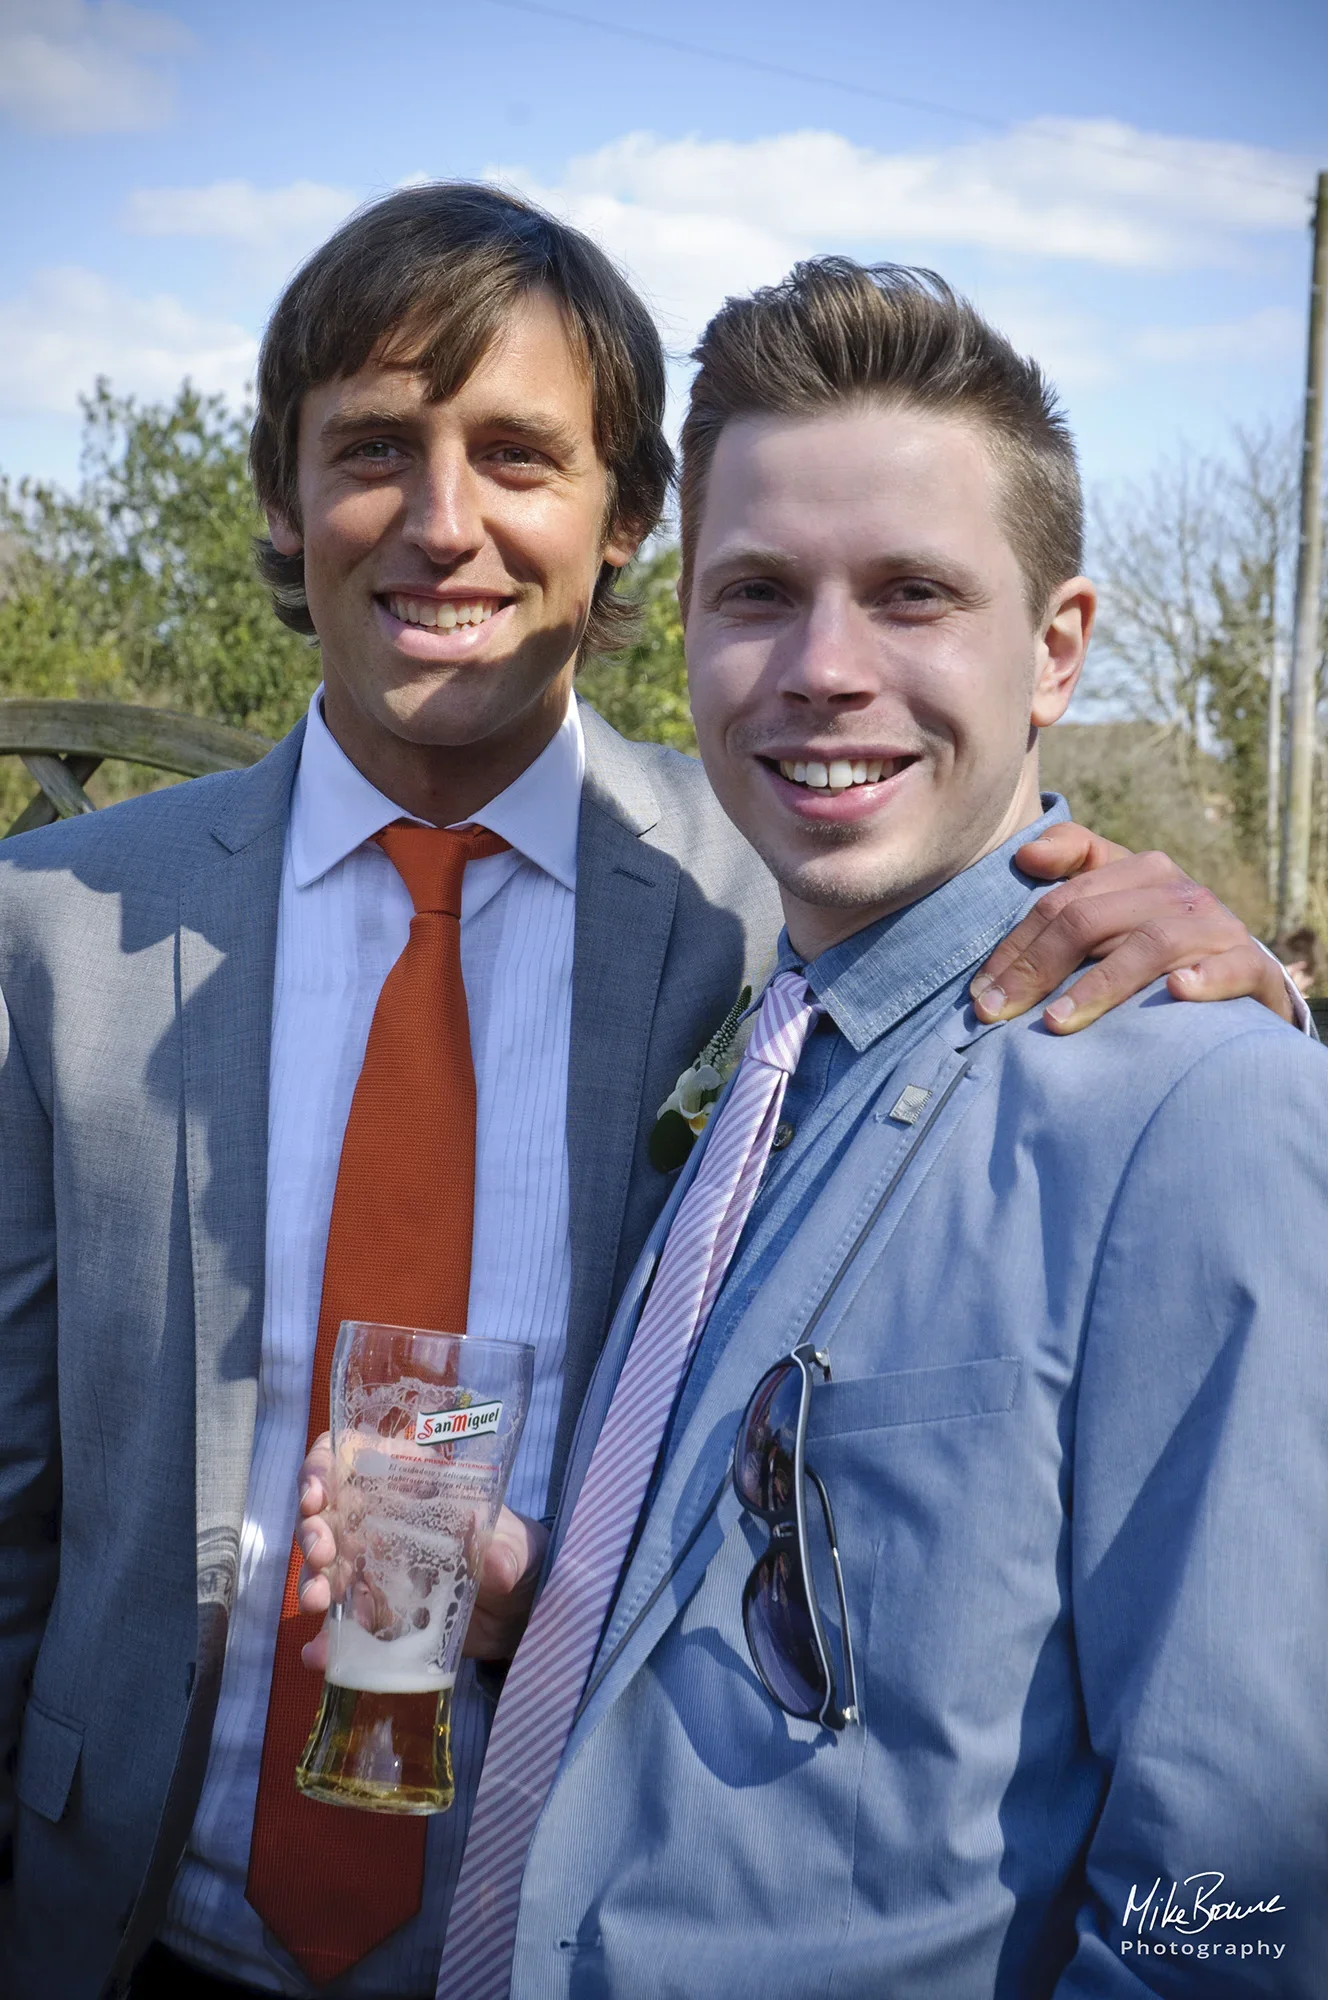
{"type": "Point", "coordinates": [136, 968]}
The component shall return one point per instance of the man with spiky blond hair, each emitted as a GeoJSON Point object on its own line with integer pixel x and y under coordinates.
{"type": "Point", "coordinates": [938, 1600]}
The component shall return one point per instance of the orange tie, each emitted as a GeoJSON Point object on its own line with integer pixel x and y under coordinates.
{"type": "Point", "coordinates": [329, 1882]}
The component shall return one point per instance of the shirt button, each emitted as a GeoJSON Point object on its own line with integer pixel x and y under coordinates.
{"type": "Point", "coordinates": [783, 1133]}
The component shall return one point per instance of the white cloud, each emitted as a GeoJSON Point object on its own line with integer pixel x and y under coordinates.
{"type": "Point", "coordinates": [276, 224]}
{"type": "Point", "coordinates": [1271, 334]}
{"type": "Point", "coordinates": [72, 326]}
{"type": "Point", "coordinates": [684, 263]}
{"type": "Point", "coordinates": [75, 66]}
{"type": "Point", "coordinates": [693, 219]}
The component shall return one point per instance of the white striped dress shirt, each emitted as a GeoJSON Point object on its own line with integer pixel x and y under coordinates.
{"type": "Point", "coordinates": [343, 919]}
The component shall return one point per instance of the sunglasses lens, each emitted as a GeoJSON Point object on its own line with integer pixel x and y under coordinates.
{"type": "Point", "coordinates": [781, 1636]}
{"type": "Point", "coordinates": [763, 1465]}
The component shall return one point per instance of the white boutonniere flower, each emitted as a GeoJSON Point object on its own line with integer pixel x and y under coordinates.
{"type": "Point", "coordinates": [685, 1112]}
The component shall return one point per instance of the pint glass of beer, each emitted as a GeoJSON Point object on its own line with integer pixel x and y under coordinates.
{"type": "Point", "coordinates": [424, 1431]}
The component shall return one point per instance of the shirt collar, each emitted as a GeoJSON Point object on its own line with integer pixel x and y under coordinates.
{"type": "Point", "coordinates": [335, 809]}
{"type": "Point", "coordinates": [875, 979]}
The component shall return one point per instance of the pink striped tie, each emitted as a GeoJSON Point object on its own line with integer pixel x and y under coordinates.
{"type": "Point", "coordinates": [549, 1672]}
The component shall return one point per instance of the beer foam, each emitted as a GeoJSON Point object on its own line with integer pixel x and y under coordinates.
{"type": "Point", "coordinates": [415, 1525]}
{"type": "Point", "coordinates": [356, 1659]}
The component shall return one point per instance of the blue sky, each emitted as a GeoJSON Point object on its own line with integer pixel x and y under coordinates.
{"type": "Point", "coordinates": [1128, 198]}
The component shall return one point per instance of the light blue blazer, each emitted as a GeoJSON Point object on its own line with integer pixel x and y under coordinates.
{"type": "Point", "coordinates": [1077, 1447]}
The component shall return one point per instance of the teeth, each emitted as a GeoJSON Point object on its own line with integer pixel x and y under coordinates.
{"type": "Point", "coordinates": [440, 617]}
{"type": "Point", "coordinates": [837, 776]}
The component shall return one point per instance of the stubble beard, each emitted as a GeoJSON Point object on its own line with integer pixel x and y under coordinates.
{"type": "Point", "coordinates": [839, 877]}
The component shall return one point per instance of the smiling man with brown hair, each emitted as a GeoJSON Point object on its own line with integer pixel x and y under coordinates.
{"type": "Point", "coordinates": [458, 443]}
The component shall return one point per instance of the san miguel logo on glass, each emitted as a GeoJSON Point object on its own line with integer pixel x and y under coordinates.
{"type": "Point", "coordinates": [472, 1420]}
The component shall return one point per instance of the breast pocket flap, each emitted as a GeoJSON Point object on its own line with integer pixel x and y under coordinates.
{"type": "Point", "coordinates": [47, 1759]}
{"type": "Point", "coordinates": [914, 1396]}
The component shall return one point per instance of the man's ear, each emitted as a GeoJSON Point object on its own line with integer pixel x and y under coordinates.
{"type": "Point", "coordinates": [1062, 646]}
{"type": "Point", "coordinates": [623, 542]}
{"type": "Point", "coordinates": [286, 540]}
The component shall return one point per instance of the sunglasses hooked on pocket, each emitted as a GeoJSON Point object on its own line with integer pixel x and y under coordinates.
{"type": "Point", "coordinates": [786, 1634]}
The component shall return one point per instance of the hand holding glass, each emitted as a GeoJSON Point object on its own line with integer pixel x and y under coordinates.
{"type": "Point", "coordinates": [424, 1431]}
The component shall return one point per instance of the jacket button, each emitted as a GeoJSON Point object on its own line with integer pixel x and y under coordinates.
{"type": "Point", "coordinates": [783, 1133]}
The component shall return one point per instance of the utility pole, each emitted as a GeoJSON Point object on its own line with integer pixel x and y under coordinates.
{"type": "Point", "coordinates": [1304, 691]}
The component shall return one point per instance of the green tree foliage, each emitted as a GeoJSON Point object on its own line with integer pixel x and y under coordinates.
{"type": "Point", "coordinates": [642, 690]}
{"type": "Point", "coordinates": [141, 585]}
{"type": "Point", "coordinates": [1234, 670]}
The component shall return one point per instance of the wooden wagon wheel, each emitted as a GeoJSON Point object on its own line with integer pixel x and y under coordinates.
{"type": "Point", "coordinates": [63, 742]}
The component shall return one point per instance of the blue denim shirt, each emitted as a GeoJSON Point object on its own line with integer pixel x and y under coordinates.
{"type": "Point", "coordinates": [886, 986]}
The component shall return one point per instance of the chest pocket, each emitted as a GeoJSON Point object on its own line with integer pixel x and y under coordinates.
{"type": "Point", "coordinates": [914, 1396]}
{"type": "Point", "coordinates": [47, 1759]}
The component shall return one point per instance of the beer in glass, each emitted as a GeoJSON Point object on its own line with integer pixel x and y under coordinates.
{"type": "Point", "coordinates": [424, 1430]}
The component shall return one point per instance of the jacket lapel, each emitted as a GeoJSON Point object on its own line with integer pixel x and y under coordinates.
{"type": "Point", "coordinates": [625, 896]}
{"type": "Point", "coordinates": [693, 1507]}
{"type": "Point", "coordinates": [618, 1340]}
{"type": "Point", "coordinates": [227, 950]}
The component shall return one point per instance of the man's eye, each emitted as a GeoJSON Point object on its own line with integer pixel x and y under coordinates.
{"type": "Point", "coordinates": [518, 456]}
{"type": "Point", "coordinates": [915, 594]}
{"type": "Point", "coordinates": [752, 591]}
{"type": "Point", "coordinates": [375, 451]}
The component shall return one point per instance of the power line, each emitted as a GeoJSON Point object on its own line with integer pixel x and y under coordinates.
{"type": "Point", "coordinates": [745, 61]}
{"type": "Point", "coordinates": [791, 75]}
